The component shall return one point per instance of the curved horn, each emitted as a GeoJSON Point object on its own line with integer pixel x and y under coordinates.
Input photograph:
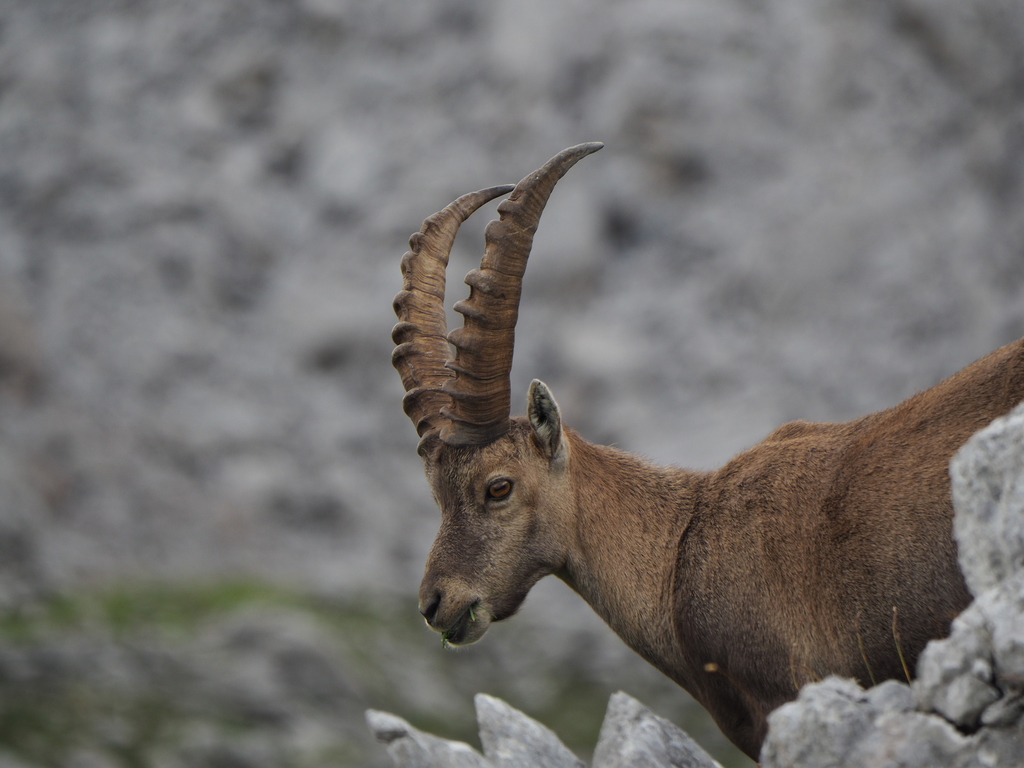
{"type": "Point", "coordinates": [480, 391]}
{"type": "Point", "coordinates": [422, 350]}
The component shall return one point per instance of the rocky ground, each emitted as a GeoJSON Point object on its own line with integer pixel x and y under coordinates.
{"type": "Point", "coordinates": [803, 209]}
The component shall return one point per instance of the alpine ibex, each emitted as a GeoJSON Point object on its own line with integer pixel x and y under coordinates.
{"type": "Point", "coordinates": [825, 549]}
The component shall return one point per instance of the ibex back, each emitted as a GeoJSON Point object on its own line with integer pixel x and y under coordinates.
{"type": "Point", "coordinates": [825, 549]}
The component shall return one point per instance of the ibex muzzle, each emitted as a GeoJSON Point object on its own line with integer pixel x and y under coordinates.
{"type": "Point", "coordinates": [505, 506]}
{"type": "Point", "coordinates": [824, 549]}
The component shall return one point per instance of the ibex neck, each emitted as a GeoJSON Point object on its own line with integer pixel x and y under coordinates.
{"type": "Point", "coordinates": [629, 517]}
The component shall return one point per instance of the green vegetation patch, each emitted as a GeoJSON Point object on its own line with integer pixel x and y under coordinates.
{"type": "Point", "coordinates": [126, 609]}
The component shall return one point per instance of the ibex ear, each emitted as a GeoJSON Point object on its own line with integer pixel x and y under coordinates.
{"type": "Point", "coordinates": [546, 419]}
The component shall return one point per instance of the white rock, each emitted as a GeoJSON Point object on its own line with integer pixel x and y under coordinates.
{"type": "Point", "coordinates": [412, 748]}
{"type": "Point", "coordinates": [512, 740]}
{"type": "Point", "coordinates": [634, 737]}
{"type": "Point", "coordinates": [988, 492]}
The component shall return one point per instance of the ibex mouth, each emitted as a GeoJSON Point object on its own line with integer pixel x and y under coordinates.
{"type": "Point", "coordinates": [468, 627]}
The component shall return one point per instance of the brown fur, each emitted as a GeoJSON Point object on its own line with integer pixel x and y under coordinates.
{"type": "Point", "coordinates": [781, 567]}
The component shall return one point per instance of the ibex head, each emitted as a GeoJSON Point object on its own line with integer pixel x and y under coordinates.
{"type": "Point", "coordinates": [500, 481]}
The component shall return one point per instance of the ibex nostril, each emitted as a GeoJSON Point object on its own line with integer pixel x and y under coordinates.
{"type": "Point", "coordinates": [429, 607]}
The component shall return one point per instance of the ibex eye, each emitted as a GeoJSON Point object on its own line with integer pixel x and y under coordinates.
{"type": "Point", "coordinates": [499, 489]}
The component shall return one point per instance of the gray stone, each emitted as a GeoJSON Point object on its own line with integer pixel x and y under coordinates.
{"type": "Point", "coordinates": [975, 675]}
{"type": "Point", "coordinates": [890, 696]}
{"type": "Point", "coordinates": [821, 728]}
{"type": "Point", "coordinates": [835, 723]}
{"type": "Point", "coordinates": [988, 492]}
{"type": "Point", "coordinates": [512, 740]}
{"type": "Point", "coordinates": [910, 740]}
{"type": "Point", "coordinates": [1006, 711]}
{"type": "Point", "coordinates": [997, 748]}
{"type": "Point", "coordinates": [954, 675]}
{"type": "Point", "coordinates": [631, 737]}
{"type": "Point", "coordinates": [412, 748]}
{"type": "Point", "coordinates": [1003, 608]}
{"type": "Point", "coordinates": [965, 698]}
{"type": "Point", "coordinates": [634, 737]}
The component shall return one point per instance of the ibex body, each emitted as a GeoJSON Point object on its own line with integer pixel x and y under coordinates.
{"type": "Point", "coordinates": [825, 549]}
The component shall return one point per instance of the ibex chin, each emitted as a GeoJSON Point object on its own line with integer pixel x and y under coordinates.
{"type": "Point", "coordinates": [825, 549]}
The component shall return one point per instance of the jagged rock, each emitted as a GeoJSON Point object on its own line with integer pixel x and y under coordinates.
{"type": "Point", "coordinates": [821, 728]}
{"type": "Point", "coordinates": [976, 675]}
{"type": "Point", "coordinates": [998, 747]}
{"type": "Point", "coordinates": [913, 740]}
{"type": "Point", "coordinates": [412, 748]}
{"type": "Point", "coordinates": [954, 676]}
{"type": "Point", "coordinates": [512, 740]}
{"type": "Point", "coordinates": [837, 723]}
{"type": "Point", "coordinates": [891, 696]}
{"type": "Point", "coordinates": [631, 737]}
{"type": "Point", "coordinates": [961, 681]}
{"type": "Point", "coordinates": [634, 737]}
{"type": "Point", "coordinates": [1006, 711]}
{"type": "Point", "coordinates": [988, 492]}
{"type": "Point", "coordinates": [1003, 608]}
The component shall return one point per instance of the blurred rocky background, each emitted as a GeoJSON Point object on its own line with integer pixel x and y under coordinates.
{"type": "Point", "coordinates": [212, 516]}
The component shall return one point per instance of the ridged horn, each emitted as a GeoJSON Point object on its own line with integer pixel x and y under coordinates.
{"type": "Point", "coordinates": [480, 391]}
{"type": "Point", "coordinates": [422, 347]}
